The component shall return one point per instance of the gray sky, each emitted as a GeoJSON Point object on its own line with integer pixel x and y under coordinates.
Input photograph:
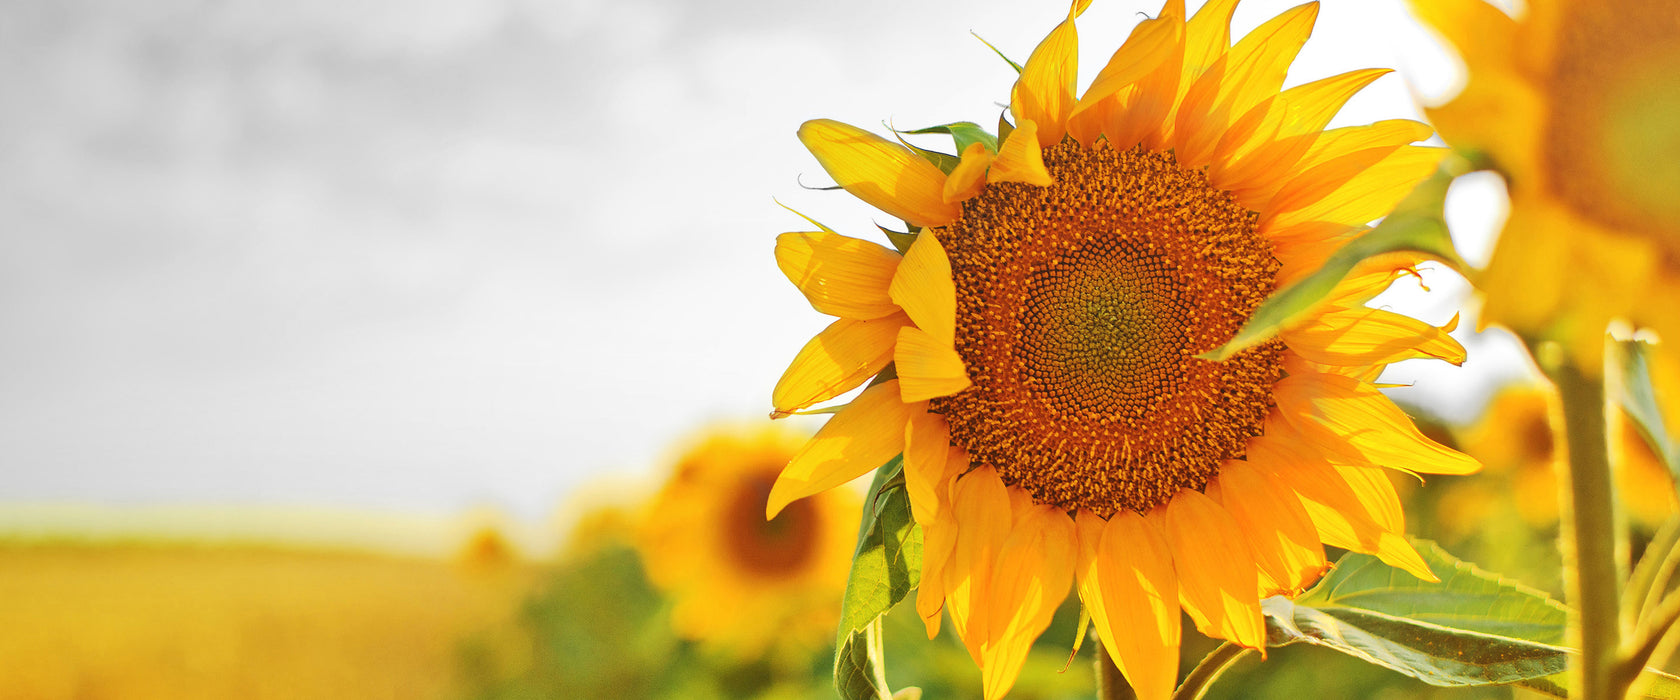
{"type": "Point", "coordinates": [424, 255]}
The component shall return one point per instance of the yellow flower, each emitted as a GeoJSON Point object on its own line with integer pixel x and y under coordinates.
{"type": "Point", "coordinates": [1578, 105]}
{"type": "Point", "coordinates": [1514, 439]}
{"type": "Point", "coordinates": [1042, 334]}
{"type": "Point", "coordinates": [740, 583]}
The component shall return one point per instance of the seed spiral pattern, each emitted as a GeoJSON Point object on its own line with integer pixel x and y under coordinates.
{"type": "Point", "coordinates": [1081, 308]}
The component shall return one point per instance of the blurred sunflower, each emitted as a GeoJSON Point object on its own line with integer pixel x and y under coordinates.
{"type": "Point", "coordinates": [1514, 439]}
{"type": "Point", "coordinates": [1578, 106]}
{"type": "Point", "coordinates": [1035, 348]}
{"type": "Point", "coordinates": [741, 583]}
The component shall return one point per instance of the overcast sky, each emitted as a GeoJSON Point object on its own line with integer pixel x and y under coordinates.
{"type": "Point", "coordinates": [419, 256]}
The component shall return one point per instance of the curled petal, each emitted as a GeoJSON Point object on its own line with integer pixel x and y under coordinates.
{"type": "Point", "coordinates": [887, 175]}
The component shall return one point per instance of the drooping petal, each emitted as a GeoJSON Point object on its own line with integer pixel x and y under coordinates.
{"type": "Point", "coordinates": [1128, 584]}
{"type": "Point", "coordinates": [968, 179]}
{"type": "Point", "coordinates": [1218, 583]}
{"type": "Point", "coordinates": [1285, 544]}
{"type": "Point", "coordinates": [927, 452]}
{"type": "Point", "coordinates": [1365, 336]}
{"type": "Point", "coordinates": [1044, 92]}
{"type": "Point", "coordinates": [939, 538]}
{"type": "Point", "coordinates": [1020, 159]}
{"type": "Point", "coordinates": [980, 505]}
{"type": "Point", "coordinates": [927, 368]}
{"type": "Point", "coordinates": [1330, 408]}
{"type": "Point", "coordinates": [887, 175]}
{"type": "Point", "coordinates": [840, 275]}
{"type": "Point", "coordinates": [1029, 581]}
{"type": "Point", "coordinates": [1338, 513]}
{"type": "Point", "coordinates": [923, 288]}
{"type": "Point", "coordinates": [837, 360]}
{"type": "Point", "coordinates": [856, 440]}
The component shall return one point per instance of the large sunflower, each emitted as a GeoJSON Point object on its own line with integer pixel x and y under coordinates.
{"type": "Point", "coordinates": [1578, 106]}
{"type": "Point", "coordinates": [740, 583]}
{"type": "Point", "coordinates": [1035, 348]}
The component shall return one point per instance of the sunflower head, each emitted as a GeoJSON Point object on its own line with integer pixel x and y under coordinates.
{"type": "Point", "coordinates": [740, 583]}
{"type": "Point", "coordinates": [1577, 104]}
{"type": "Point", "coordinates": [1038, 350]}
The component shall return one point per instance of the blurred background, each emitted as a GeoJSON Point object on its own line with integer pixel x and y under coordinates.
{"type": "Point", "coordinates": [390, 295]}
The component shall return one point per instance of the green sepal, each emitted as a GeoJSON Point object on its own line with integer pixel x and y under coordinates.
{"type": "Point", "coordinates": [886, 566]}
{"type": "Point", "coordinates": [901, 240]}
{"type": "Point", "coordinates": [1416, 225]}
{"type": "Point", "coordinates": [1638, 398]}
{"type": "Point", "coordinates": [1004, 127]}
{"type": "Point", "coordinates": [1472, 628]}
{"type": "Point", "coordinates": [963, 134]}
{"type": "Point", "coordinates": [995, 50]}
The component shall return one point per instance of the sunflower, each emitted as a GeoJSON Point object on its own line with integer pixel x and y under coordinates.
{"type": "Point", "coordinates": [1578, 106]}
{"type": "Point", "coordinates": [1035, 349]}
{"type": "Point", "coordinates": [740, 583]}
{"type": "Point", "coordinates": [1514, 439]}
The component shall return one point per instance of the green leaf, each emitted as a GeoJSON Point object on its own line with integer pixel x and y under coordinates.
{"type": "Point", "coordinates": [1472, 628]}
{"type": "Point", "coordinates": [995, 50]}
{"type": "Point", "coordinates": [859, 669]}
{"type": "Point", "coordinates": [963, 134]}
{"type": "Point", "coordinates": [1415, 225]}
{"type": "Point", "coordinates": [886, 566]}
{"type": "Point", "coordinates": [1639, 399]}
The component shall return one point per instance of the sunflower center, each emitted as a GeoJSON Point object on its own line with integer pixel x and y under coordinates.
{"type": "Point", "coordinates": [773, 548]}
{"type": "Point", "coordinates": [1613, 151]}
{"type": "Point", "coordinates": [1081, 308]}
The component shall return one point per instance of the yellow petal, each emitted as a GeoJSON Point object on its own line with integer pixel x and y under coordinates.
{"type": "Point", "coordinates": [1281, 535]}
{"type": "Point", "coordinates": [855, 441]}
{"type": "Point", "coordinates": [840, 275]}
{"type": "Point", "coordinates": [1253, 71]}
{"type": "Point", "coordinates": [927, 452]}
{"type": "Point", "coordinates": [1366, 336]}
{"type": "Point", "coordinates": [939, 537]}
{"type": "Point", "coordinates": [1257, 180]}
{"type": "Point", "coordinates": [1217, 581]}
{"type": "Point", "coordinates": [1376, 493]}
{"type": "Point", "coordinates": [1029, 581]}
{"type": "Point", "coordinates": [980, 504]}
{"type": "Point", "coordinates": [1140, 55]}
{"type": "Point", "coordinates": [880, 172]}
{"type": "Point", "coordinates": [1207, 36]}
{"type": "Point", "coordinates": [923, 288]}
{"type": "Point", "coordinates": [968, 179]}
{"type": "Point", "coordinates": [836, 361]}
{"type": "Point", "coordinates": [1127, 582]}
{"type": "Point", "coordinates": [1337, 512]}
{"type": "Point", "coordinates": [1020, 159]}
{"type": "Point", "coordinates": [1289, 125]}
{"type": "Point", "coordinates": [1333, 408]}
{"type": "Point", "coordinates": [927, 368]}
{"type": "Point", "coordinates": [1480, 32]}
{"type": "Point", "coordinates": [1044, 92]}
{"type": "Point", "coordinates": [1361, 192]}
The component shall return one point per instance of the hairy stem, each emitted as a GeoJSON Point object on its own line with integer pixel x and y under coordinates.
{"type": "Point", "coordinates": [1591, 534]}
{"type": "Point", "coordinates": [1201, 677]}
{"type": "Point", "coordinates": [1111, 684]}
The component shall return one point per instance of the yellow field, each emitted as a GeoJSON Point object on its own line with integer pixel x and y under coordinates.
{"type": "Point", "coordinates": [134, 621]}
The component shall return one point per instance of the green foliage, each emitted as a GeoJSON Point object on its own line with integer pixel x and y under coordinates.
{"type": "Point", "coordinates": [1416, 225]}
{"type": "Point", "coordinates": [1472, 628]}
{"type": "Point", "coordinates": [963, 134]}
{"type": "Point", "coordinates": [886, 566]}
{"type": "Point", "coordinates": [1638, 398]}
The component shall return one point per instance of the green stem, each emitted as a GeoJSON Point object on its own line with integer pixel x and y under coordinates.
{"type": "Point", "coordinates": [1111, 684]}
{"type": "Point", "coordinates": [1590, 533]}
{"type": "Point", "coordinates": [1201, 677]}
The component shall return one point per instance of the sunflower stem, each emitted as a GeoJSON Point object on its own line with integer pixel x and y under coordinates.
{"type": "Point", "coordinates": [1111, 684]}
{"type": "Point", "coordinates": [1592, 537]}
{"type": "Point", "coordinates": [1207, 671]}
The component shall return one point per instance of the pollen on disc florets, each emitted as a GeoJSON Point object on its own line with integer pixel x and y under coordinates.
{"type": "Point", "coordinates": [1081, 308]}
